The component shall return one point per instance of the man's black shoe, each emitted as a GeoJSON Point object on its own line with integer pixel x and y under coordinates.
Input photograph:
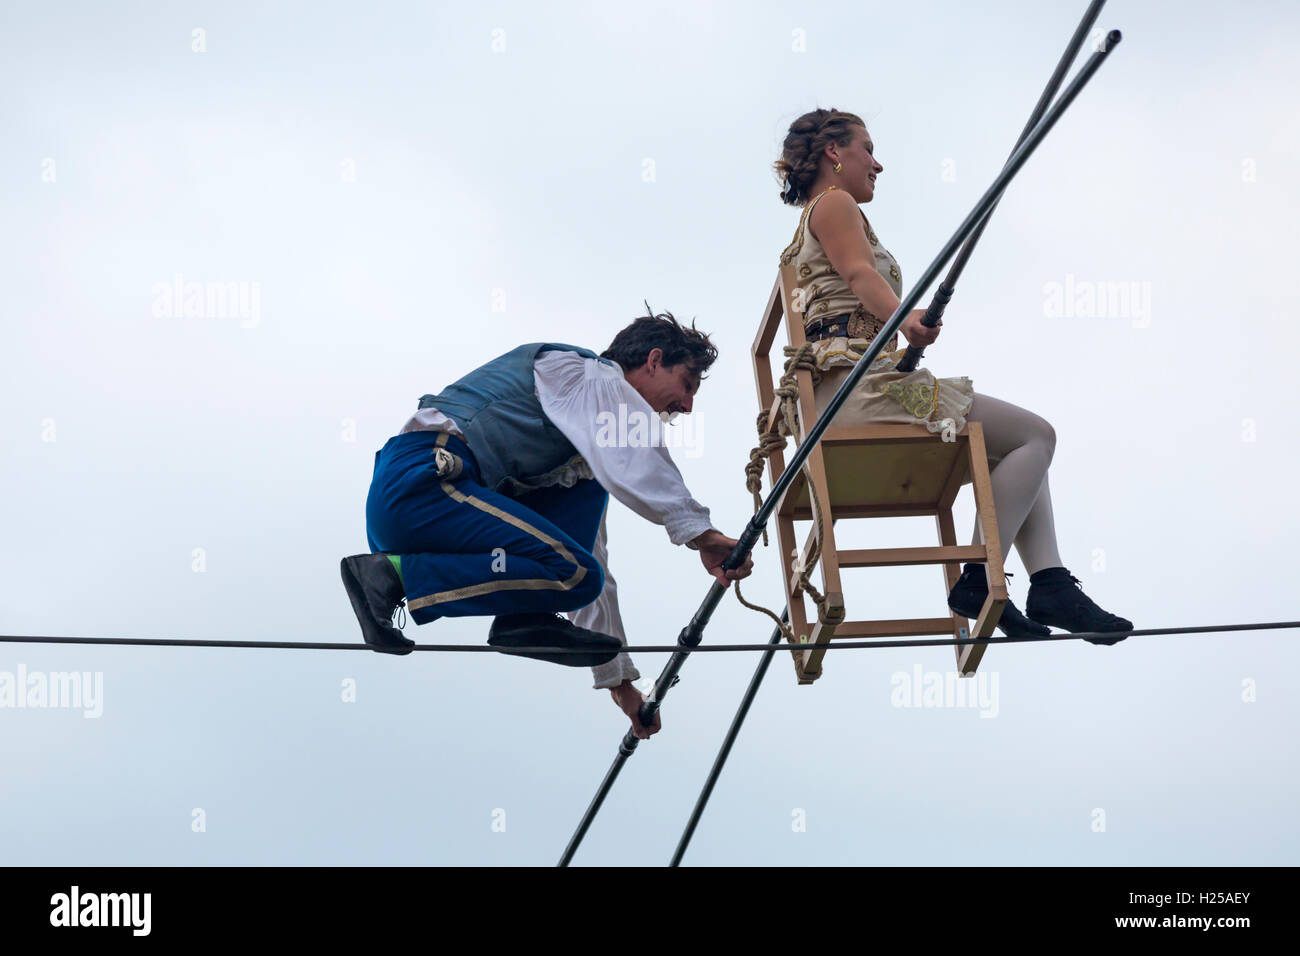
{"type": "Point", "coordinates": [550, 629]}
{"type": "Point", "coordinates": [1056, 597]}
{"type": "Point", "coordinates": [376, 592]}
{"type": "Point", "coordinates": [967, 598]}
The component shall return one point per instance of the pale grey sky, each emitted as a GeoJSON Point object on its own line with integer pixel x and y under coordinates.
{"type": "Point", "coordinates": [383, 175]}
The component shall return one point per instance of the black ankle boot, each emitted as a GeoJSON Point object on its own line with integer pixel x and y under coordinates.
{"type": "Point", "coordinates": [967, 599]}
{"type": "Point", "coordinates": [376, 593]}
{"type": "Point", "coordinates": [1056, 597]}
{"type": "Point", "coordinates": [551, 629]}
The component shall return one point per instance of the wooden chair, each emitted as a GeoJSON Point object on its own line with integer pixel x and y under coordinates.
{"type": "Point", "coordinates": [874, 471]}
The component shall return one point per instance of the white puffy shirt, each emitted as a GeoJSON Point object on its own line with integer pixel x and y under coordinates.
{"type": "Point", "coordinates": [580, 395]}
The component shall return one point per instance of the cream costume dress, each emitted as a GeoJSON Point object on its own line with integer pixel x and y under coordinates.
{"type": "Point", "coordinates": [882, 395]}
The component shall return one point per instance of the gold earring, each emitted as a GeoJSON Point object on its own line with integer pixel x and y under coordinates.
{"type": "Point", "coordinates": [837, 167]}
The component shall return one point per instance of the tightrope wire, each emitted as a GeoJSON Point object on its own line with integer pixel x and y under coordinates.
{"type": "Point", "coordinates": [652, 648]}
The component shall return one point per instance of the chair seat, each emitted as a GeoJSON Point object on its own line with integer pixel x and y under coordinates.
{"type": "Point", "coordinates": [904, 470]}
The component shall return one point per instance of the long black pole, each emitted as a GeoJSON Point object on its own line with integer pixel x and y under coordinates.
{"type": "Point", "coordinates": [732, 732]}
{"type": "Point", "coordinates": [1049, 92]}
{"type": "Point", "coordinates": [691, 635]}
{"type": "Point", "coordinates": [943, 294]}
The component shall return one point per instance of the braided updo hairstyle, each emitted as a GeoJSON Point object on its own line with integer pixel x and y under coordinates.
{"type": "Point", "coordinates": [809, 135]}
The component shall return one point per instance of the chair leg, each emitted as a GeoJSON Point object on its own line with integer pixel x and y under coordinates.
{"type": "Point", "coordinates": [997, 582]}
{"type": "Point", "coordinates": [833, 614]}
{"type": "Point", "coordinates": [827, 621]}
{"type": "Point", "coordinates": [798, 616]}
{"type": "Point", "coordinates": [951, 572]}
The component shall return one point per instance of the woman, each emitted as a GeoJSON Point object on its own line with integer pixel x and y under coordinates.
{"type": "Point", "coordinates": [849, 285]}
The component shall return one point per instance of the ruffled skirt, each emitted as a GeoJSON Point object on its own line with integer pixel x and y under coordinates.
{"type": "Point", "coordinates": [884, 395]}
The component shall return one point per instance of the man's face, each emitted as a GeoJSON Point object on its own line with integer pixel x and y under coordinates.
{"type": "Point", "coordinates": [668, 389]}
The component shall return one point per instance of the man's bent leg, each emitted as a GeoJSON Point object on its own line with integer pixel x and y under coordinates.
{"type": "Point", "coordinates": [576, 511]}
{"type": "Point", "coordinates": [466, 550]}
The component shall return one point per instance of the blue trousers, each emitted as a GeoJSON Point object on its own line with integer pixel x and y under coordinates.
{"type": "Point", "coordinates": [466, 550]}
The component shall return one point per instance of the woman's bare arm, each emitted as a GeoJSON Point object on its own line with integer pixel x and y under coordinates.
{"type": "Point", "coordinates": [836, 222]}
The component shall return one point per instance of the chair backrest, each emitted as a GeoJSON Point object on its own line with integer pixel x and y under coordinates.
{"type": "Point", "coordinates": [893, 466]}
{"type": "Point", "coordinates": [792, 304]}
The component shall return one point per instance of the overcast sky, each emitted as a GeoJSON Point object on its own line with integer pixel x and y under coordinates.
{"type": "Point", "coordinates": [405, 190]}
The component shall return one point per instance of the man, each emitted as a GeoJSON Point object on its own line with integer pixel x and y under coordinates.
{"type": "Point", "coordinates": [491, 500]}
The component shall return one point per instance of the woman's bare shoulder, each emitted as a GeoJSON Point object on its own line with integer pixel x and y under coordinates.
{"type": "Point", "coordinates": [835, 209]}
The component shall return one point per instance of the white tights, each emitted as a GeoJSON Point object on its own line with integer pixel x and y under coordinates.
{"type": "Point", "coordinates": [1020, 446]}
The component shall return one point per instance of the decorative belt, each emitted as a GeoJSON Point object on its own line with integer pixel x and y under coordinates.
{"type": "Point", "coordinates": [851, 325]}
{"type": "Point", "coordinates": [828, 327]}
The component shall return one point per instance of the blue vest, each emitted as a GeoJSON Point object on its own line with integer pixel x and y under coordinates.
{"type": "Point", "coordinates": [496, 408]}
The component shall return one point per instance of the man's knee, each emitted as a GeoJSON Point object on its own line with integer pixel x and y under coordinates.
{"type": "Point", "coordinates": [593, 579]}
{"type": "Point", "coordinates": [580, 589]}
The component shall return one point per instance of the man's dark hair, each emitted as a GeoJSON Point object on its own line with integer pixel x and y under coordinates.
{"type": "Point", "coordinates": [633, 344]}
